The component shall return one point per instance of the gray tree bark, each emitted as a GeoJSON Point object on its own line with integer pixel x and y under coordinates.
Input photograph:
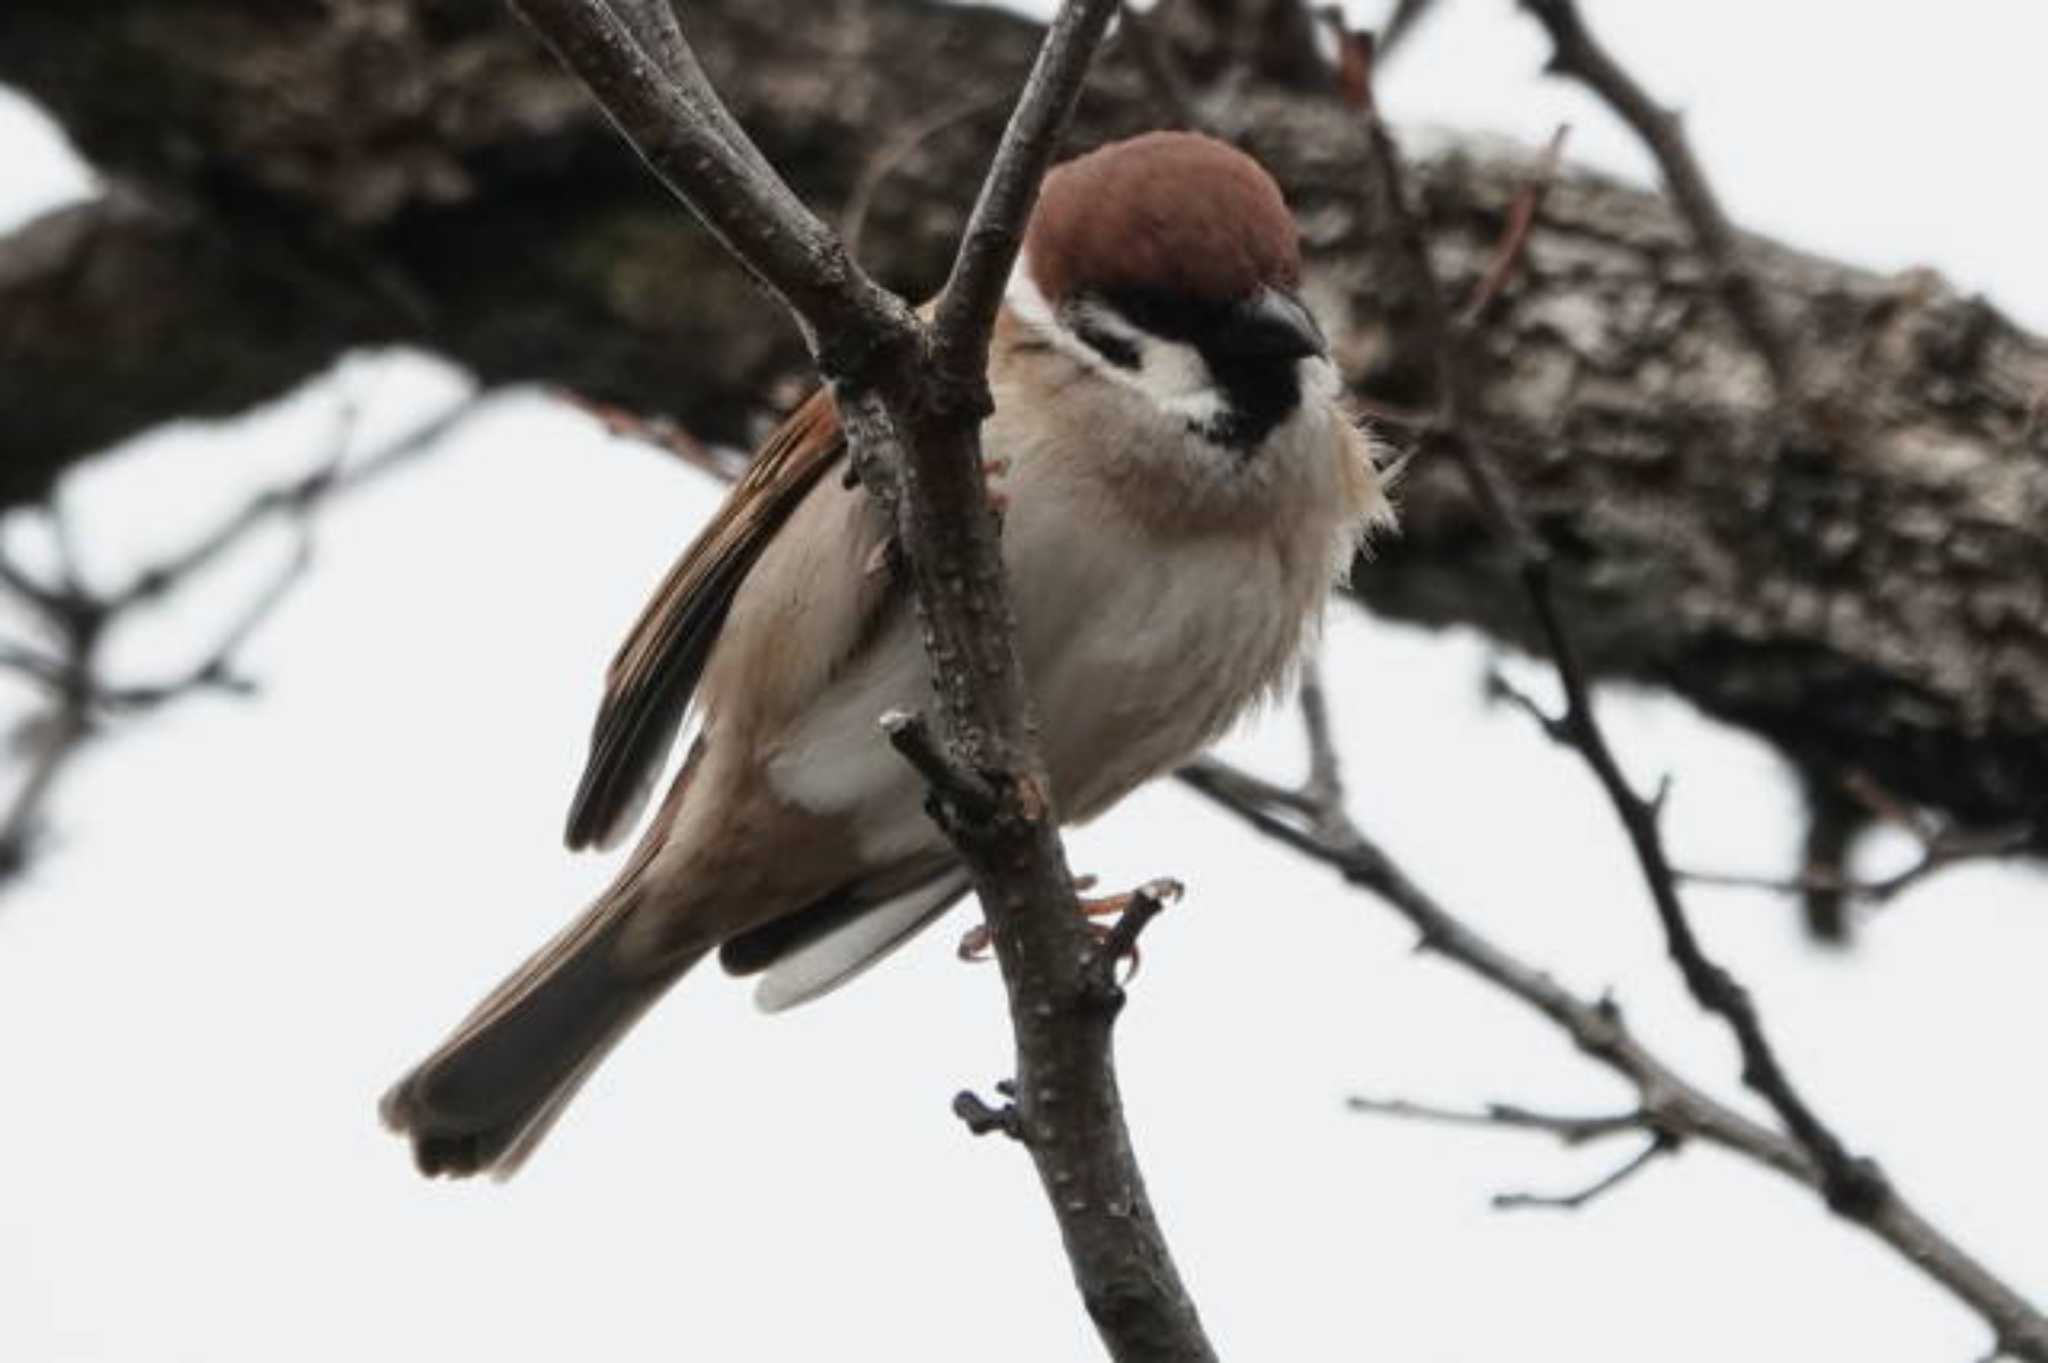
{"type": "Point", "coordinates": [1867, 589]}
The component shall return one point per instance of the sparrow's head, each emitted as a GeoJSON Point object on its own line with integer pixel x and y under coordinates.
{"type": "Point", "coordinates": [1170, 263]}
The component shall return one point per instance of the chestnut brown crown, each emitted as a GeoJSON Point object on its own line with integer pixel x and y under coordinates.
{"type": "Point", "coordinates": [1168, 212]}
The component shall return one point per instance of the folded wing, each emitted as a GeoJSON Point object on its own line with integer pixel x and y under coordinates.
{"type": "Point", "coordinates": [651, 679]}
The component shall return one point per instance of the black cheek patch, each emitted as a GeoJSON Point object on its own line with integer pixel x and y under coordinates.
{"type": "Point", "coordinates": [1259, 390]}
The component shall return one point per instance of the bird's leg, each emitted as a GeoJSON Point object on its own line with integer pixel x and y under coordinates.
{"type": "Point", "coordinates": [976, 942]}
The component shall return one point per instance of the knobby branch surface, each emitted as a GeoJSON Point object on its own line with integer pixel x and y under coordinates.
{"type": "Point", "coordinates": [74, 621]}
{"type": "Point", "coordinates": [912, 399]}
{"type": "Point", "coordinates": [1671, 1110]}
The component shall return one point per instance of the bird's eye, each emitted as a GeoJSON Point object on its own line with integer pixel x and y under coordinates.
{"type": "Point", "coordinates": [1120, 351]}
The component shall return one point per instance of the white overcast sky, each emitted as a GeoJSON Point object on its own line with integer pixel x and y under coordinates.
{"type": "Point", "coordinates": [255, 914]}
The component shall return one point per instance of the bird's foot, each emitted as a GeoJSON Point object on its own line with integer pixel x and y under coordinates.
{"type": "Point", "coordinates": [977, 942]}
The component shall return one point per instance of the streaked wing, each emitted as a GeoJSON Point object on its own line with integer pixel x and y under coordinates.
{"type": "Point", "coordinates": [651, 679]}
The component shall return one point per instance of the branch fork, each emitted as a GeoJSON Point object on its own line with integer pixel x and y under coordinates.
{"type": "Point", "coordinates": [911, 398]}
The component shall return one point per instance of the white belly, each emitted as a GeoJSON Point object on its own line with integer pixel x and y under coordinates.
{"type": "Point", "coordinates": [1137, 654]}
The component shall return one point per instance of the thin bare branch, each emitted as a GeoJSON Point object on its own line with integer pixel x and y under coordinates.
{"type": "Point", "coordinates": [37, 666]}
{"type": "Point", "coordinates": [1669, 1104]}
{"type": "Point", "coordinates": [995, 228]}
{"type": "Point", "coordinates": [980, 1119]}
{"type": "Point", "coordinates": [1402, 23]}
{"type": "Point", "coordinates": [1135, 912]}
{"type": "Point", "coordinates": [853, 220]}
{"type": "Point", "coordinates": [1163, 76]}
{"type": "Point", "coordinates": [1572, 1130]}
{"type": "Point", "coordinates": [1659, 1144]}
{"type": "Point", "coordinates": [724, 464]}
{"type": "Point", "coordinates": [1945, 850]}
{"type": "Point", "coordinates": [17, 580]}
{"type": "Point", "coordinates": [215, 669]}
{"type": "Point", "coordinates": [1576, 53]}
{"type": "Point", "coordinates": [1514, 237]}
{"type": "Point", "coordinates": [911, 400]}
{"type": "Point", "coordinates": [292, 499]}
{"type": "Point", "coordinates": [80, 622]}
{"type": "Point", "coordinates": [56, 738]}
{"type": "Point", "coordinates": [1324, 788]}
{"type": "Point", "coordinates": [911, 735]}
{"type": "Point", "coordinates": [1852, 1185]}
{"type": "Point", "coordinates": [668, 111]}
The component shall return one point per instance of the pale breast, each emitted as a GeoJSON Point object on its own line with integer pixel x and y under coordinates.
{"type": "Point", "coordinates": [1163, 583]}
{"type": "Point", "coordinates": [1161, 587]}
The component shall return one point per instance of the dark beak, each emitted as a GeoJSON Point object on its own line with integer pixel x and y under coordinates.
{"type": "Point", "coordinates": [1272, 325]}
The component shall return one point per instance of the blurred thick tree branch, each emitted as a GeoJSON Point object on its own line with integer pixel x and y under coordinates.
{"type": "Point", "coordinates": [295, 180]}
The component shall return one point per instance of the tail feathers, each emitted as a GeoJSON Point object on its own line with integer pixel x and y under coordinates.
{"type": "Point", "coordinates": [486, 1097]}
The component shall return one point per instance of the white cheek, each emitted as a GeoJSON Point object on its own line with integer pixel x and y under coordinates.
{"type": "Point", "coordinates": [1174, 376]}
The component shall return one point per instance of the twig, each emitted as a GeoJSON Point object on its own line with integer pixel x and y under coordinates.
{"type": "Point", "coordinates": [1163, 76]}
{"type": "Point", "coordinates": [980, 1119]}
{"type": "Point", "coordinates": [969, 795]}
{"type": "Point", "coordinates": [1659, 1144]}
{"type": "Point", "coordinates": [295, 498]}
{"type": "Point", "coordinates": [1833, 820]}
{"type": "Point", "coordinates": [36, 666]}
{"type": "Point", "coordinates": [853, 220]}
{"type": "Point", "coordinates": [666, 108]}
{"type": "Point", "coordinates": [722, 464]}
{"type": "Point", "coordinates": [1572, 1130]}
{"type": "Point", "coordinates": [1139, 908]}
{"type": "Point", "coordinates": [994, 234]}
{"type": "Point", "coordinates": [911, 399]}
{"type": "Point", "coordinates": [1668, 1103]}
{"type": "Point", "coordinates": [1576, 53]}
{"type": "Point", "coordinates": [80, 621]}
{"type": "Point", "coordinates": [1939, 853]}
{"type": "Point", "coordinates": [1852, 1185]}
{"type": "Point", "coordinates": [1324, 788]}
{"type": "Point", "coordinates": [1406, 18]}
{"type": "Point", "coordinates": [1514, 237]}
{"type": "Point", "coordinates": [57, 737]}
{"type": "Point", "coordinates": [215, 669]}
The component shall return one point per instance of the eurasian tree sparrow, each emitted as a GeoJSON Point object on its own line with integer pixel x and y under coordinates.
{"type": "Point", "coordinates": [1182, 483]}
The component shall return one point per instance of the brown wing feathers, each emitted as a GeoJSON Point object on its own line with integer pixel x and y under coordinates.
{"type": "Point", "coordinates": [650, 681]}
